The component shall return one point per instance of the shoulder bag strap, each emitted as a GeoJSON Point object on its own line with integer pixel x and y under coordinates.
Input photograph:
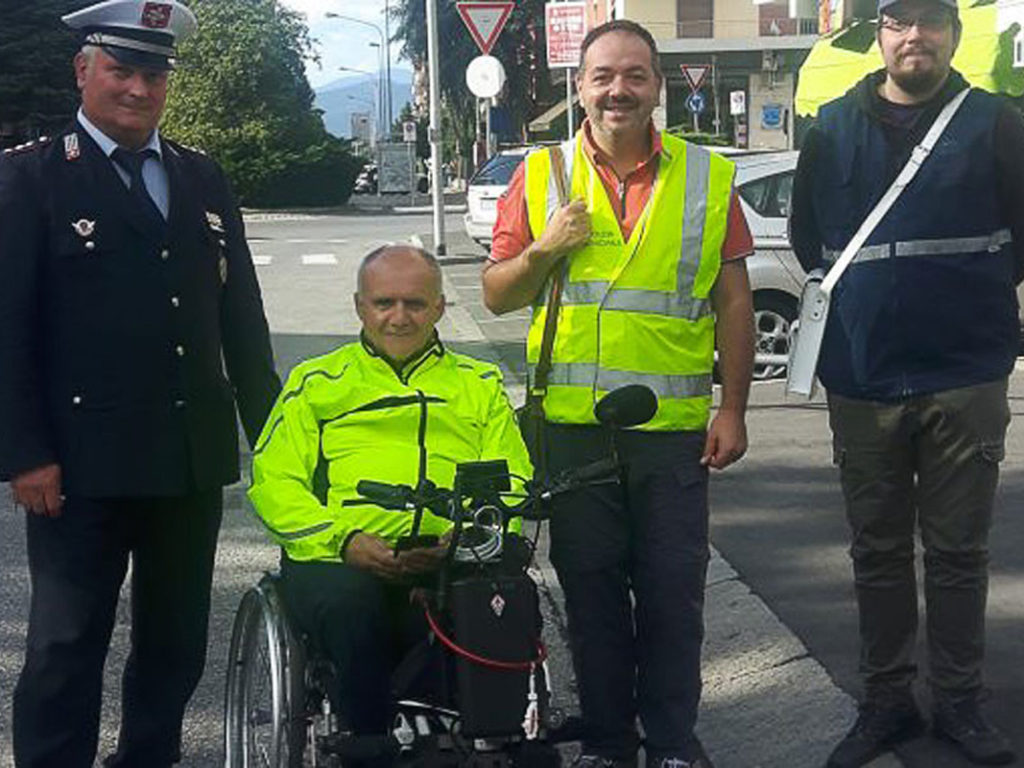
{"type": "Point", "coordinates": [539, 384]}
{"type": "Point", "coordinates": [917, 157]}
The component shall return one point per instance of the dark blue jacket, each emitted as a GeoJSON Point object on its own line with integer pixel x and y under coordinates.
{"type": "Point", "coordinates": [125, 346]}
{"type": "Point", "coordinates": [930, 303]}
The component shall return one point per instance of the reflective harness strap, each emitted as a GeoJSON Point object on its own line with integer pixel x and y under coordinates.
{"type": "Point", "coordinates": [947, 246]}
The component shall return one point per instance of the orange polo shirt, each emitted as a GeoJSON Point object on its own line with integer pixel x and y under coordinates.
{"type": "Point", "coordinates": [628, 196]}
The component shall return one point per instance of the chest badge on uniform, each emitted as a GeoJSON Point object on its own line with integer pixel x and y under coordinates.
{"type": "Point", "coordinates": [72, 150]}
{"type": "Point", "coordinates": [83, 227]}
{"type": "Point", "coordinates": [214, 221]}
{"type": "Point", "coordinates": [222, 266]}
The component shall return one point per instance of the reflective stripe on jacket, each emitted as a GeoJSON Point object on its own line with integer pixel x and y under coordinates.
{"type": "Point", "coordinates": [636, 311]}
{"type": "Point", "coordinates": [351, 415]}
{"type": "Point", "coordinates": [929, 302]}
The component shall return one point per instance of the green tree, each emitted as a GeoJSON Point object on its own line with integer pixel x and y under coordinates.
{"type": "Point", "coordinates": [520, 48]}
{"type": "Point", "coordinates": [37, 83]}
{"type": "Point", "coordinates": [240, 93]}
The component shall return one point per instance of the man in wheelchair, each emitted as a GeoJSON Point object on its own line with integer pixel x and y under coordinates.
{"type": "Point", "coordinates": [396, 407]}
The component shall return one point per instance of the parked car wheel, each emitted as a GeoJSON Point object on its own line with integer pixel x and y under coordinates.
{"type": "Point", "coordinates": [774, 314]}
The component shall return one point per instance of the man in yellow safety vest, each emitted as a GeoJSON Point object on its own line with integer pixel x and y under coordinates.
{"type": "Point", "coordinates": [651, 251]}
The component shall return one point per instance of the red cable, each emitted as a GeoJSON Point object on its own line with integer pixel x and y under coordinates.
{"type": "Point", "coordinates": [542, 651]}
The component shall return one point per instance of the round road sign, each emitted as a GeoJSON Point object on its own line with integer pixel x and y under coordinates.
{"type": "Point", "coordinates": [695, 102]}
{"type": "Point", "coordinates": [485, 76]}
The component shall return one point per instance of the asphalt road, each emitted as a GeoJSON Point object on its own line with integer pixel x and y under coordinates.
{"type": "Point", "coordinates": [777, 519]}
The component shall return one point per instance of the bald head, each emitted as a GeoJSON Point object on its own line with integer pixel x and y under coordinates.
{"type": "Point", "coordinates": [399, 254]}
{"type": "Point", "coordinates": [399, 300]}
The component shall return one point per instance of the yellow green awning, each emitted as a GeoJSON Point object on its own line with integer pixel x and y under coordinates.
{"type": "Point", "coordinates": [838, 61]}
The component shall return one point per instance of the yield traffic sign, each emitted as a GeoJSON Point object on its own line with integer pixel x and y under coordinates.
{"type": "Point", "coordinates": [695, 74]}
{"type": "Point", "coordinates": [485, 20]}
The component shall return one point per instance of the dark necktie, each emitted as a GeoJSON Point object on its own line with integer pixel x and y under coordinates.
{"type": "Point", "coordinates": [131, 163]}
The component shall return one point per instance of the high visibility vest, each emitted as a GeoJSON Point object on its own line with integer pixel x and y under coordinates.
{"type": "Point", "coordinates": [635, 311]}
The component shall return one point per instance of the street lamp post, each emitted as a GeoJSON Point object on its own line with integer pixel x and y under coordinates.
{"type": "Point", "coordinates": [387, 64]}
{"type": "Point", "coordinates": [435, 126]}
{"type": "Point", "coordinates": [385, 42]}
{"type": "Point", "coordinates": [382, 91]}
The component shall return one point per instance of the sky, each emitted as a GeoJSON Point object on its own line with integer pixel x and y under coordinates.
{"type": "Point", "coordinates": [343, 43]}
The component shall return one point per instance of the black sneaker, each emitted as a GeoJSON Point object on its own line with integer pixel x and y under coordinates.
{"type": "Point", "coordinates": [676, 762]}
{"type": "Point", "coordinates": [961, 722]}
{"type": "Point", "coordinates": [881, 724]}
{"type": "Point", "coordinates": [599, 761]}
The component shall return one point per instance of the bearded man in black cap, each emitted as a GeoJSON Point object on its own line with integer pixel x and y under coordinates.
{"type": "Point", "coordinates": [921, 337]}
{"type": "Point", "coordinates": [126, 292]}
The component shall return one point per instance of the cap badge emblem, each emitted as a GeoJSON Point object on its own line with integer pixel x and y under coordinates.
{"type": "Point", "coordinates": [83, 227]}
{"type": "Point", "coordinates": [72, 150]}
{"type": "Point", "coordinates": [156, 15]}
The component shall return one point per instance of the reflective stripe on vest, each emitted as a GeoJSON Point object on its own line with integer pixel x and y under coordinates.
{"type": "Point", "coordinates": [636, 311]}
{"type": "Point", "coordinates": [948, 246]}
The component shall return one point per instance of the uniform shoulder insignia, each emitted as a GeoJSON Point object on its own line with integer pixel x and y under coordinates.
{"type": "Point", "coordinates": [28, 146]}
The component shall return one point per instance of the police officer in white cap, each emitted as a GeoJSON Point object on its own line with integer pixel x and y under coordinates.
{"type": "Point", "coordinates": [131, 325]}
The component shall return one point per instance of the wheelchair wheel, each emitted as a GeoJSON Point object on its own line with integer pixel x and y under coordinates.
{"type": "Point", "coordinates": [264, 719]}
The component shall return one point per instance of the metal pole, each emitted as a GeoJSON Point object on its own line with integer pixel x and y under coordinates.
{"type": "Point", "coordinates": [714, 93]}
{"type": "Point", "coordinates": [435, 126]}
{"type": "Point", "coordinates": [568, 103]}
{"type": "Point", "coordinates": [387, 62]}
{"type": "Point", "coordinates": [487, 143]}
{"type": "Point", "coordinates": [477, 160]}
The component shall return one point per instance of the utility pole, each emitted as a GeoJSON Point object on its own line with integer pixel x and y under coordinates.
{"type": "Point", "coordinates": [435, 125]}
{"type": "Point", "coordinates": [387, 64]}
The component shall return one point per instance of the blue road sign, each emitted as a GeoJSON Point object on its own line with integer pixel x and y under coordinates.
{"type": "Point", "coordinates": [695, 102]}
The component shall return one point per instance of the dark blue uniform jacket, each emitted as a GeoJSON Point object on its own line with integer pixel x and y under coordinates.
{"type": "Point", "coordinates": [929, 304]}
{"type": "Point", "coordinates": [125, 346]}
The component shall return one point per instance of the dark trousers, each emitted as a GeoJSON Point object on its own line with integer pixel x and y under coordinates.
{"type": "Point", "coordinates": [363, 625]}
{"type": "Point", "coordinates": [928, 462]}
{"type": "Point", "coordinates": [77, 564]}
{"type": "Point", "coordinates": [632, 560]}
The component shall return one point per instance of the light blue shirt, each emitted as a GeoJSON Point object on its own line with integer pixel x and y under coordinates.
{"type": "Point", "coordinates": [154, 175]}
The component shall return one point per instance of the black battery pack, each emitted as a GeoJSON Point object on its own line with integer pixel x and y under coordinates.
{"type": "Point", "coordinates": [497, 618]}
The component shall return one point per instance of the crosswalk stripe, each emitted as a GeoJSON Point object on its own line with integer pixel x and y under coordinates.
{"type": "Point", "coordinates": [309, 259]}
{"type": "Point", "coordinates": [262, 261]}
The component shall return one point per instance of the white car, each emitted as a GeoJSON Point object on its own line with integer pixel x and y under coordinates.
{"type": "Point", "coordinates": [764, 181]}
{"type": "Point", "coordinates": [484, 189]}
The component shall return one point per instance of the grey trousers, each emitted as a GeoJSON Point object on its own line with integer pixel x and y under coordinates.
{"type": "Point", "coordinates": [930, 462]}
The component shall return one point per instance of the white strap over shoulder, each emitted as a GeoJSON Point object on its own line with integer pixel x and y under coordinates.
{"type": "Point", "coordinates": [917, 158]}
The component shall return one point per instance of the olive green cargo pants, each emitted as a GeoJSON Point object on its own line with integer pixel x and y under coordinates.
{"type": "Point", "coordinates": [930, 462]}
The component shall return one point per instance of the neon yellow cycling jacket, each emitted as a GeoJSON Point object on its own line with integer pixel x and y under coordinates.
{"type": "Point", "coordinates": [350, 413]}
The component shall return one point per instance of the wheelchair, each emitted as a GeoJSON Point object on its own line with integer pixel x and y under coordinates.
{"type": "Point", "coordinates": [278, 714]}
{"type": "Point", "coordinates": [484, 612]}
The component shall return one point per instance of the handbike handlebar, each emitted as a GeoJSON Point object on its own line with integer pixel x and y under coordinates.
{"type": "Point", "coordinates": [443, 502]}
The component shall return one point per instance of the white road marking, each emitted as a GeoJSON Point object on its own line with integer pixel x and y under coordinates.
{"type": "Point", "coordinates": [310, 259]}
{"type": "Point", "coordinates": [306, 240]}
{"type": "Point", "coordinates": [262, 261]}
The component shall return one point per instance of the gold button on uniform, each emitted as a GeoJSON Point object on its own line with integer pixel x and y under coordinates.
{"type": "Point", "coordinates": [165, 254]}
{"type": "Point", "coordinates": [180, 350]}
{"type": "Point", "coordinates": [76, 400]}
{"type": "Point", "coordinates": [175, 302]}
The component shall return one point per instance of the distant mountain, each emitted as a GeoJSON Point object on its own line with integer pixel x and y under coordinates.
{"type": "Point", "coordinates": [340, 98]}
